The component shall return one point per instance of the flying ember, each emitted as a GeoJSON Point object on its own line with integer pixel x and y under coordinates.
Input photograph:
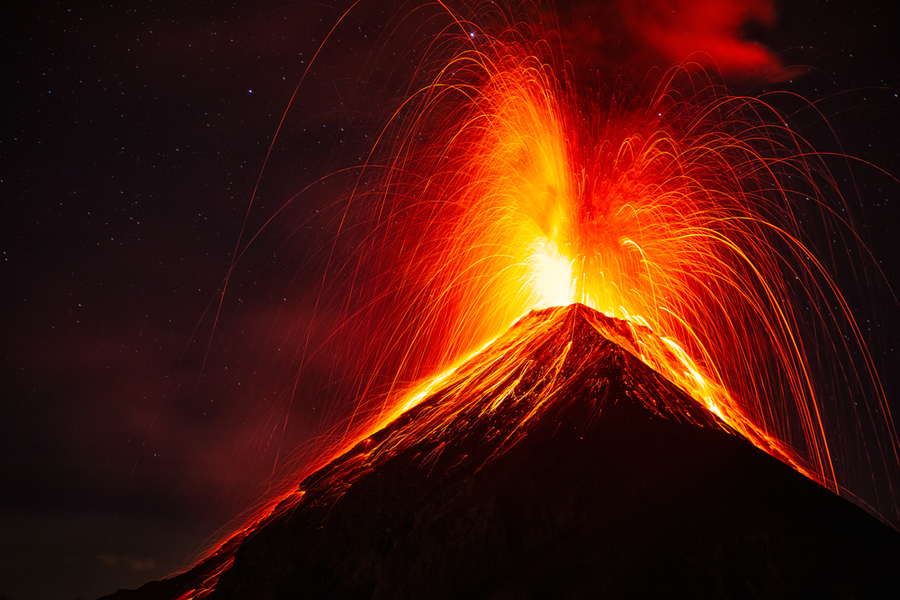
{"type": "Point", "coordinates": [684, 214]}
{"type": "Point", "coordinates": [676, 210]}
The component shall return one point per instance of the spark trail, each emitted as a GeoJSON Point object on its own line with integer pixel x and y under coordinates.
{"type": "Point", "coordinates": [686, 215]}
{"type": "Point", "coordinates": [678, 208]}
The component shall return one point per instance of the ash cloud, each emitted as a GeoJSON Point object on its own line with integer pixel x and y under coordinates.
{"type": "Point", "coordinates": [709, 33]}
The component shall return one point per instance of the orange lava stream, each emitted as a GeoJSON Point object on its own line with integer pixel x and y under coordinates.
{"type": "Point", "coordinates": [678, 212]}
{"type": "Point", "coordinates": [659, 215]}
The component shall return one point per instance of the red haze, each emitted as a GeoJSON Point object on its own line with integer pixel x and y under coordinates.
{"type": "Point", "coordinates": [707, 32]}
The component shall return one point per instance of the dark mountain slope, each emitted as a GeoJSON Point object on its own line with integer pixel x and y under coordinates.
{"type": "Point", "coordinates": [555, 464]}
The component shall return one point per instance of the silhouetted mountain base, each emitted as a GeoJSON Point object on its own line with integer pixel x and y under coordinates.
{"type": "Point", "coordinates": [586, 476]}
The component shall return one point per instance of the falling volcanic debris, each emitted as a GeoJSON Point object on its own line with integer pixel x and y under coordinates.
{"type": "Point", "coordinates": [604, 444]}
{"type": "Point", "coordinates": [553, 463]}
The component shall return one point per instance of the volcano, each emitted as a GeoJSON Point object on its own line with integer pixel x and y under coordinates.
{"type": "Point", "coordinates": [553, 464]}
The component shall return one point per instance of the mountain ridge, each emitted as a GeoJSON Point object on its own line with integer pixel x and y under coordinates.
{"type": "Point", "coordinates": [553, 463]}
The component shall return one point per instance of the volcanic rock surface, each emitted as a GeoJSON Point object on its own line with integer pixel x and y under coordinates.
{"type": "Point", "coordinates": [554, 464]}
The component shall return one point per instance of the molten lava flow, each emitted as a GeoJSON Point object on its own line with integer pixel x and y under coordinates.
{"type": "Point", "coordinates": [683, 212]}
{"type": "Point", "coordinates": [501, 187]}
{"type": "Point", "coordinates": [668, 214]}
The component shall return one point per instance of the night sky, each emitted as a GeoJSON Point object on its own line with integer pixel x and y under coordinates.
{"type": "Point", "coordinates": [137, 417]}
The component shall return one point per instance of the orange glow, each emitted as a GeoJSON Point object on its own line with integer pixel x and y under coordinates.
{"type": "Point", "coordinates": [656, 215]}
{"type": "Point", "coordinates": [500, 187]}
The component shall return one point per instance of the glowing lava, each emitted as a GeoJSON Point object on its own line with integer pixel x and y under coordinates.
{"type": "Point", "coordinates": [501, 186]}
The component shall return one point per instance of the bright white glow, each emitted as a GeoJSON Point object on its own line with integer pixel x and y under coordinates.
{"type": "Point", "coordinates": [551, 278]}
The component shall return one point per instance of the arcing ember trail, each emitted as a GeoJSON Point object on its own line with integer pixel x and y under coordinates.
{"type": "Point", "coordinates": [652, 252]}
{"type": "Point", "coordinates": [685, 211]}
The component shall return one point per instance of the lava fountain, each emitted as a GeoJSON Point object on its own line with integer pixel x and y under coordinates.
{"type": "Point", "coordinates": [689, 213]}
{"type": "Point", "coordinates": [685, 214]}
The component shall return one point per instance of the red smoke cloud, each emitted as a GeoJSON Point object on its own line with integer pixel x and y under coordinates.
{"type": "Point", "coordinates": [707, 32]}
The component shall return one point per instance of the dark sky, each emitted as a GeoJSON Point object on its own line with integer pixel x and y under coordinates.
{"type": "Point", "coordinates": [133, 134]}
